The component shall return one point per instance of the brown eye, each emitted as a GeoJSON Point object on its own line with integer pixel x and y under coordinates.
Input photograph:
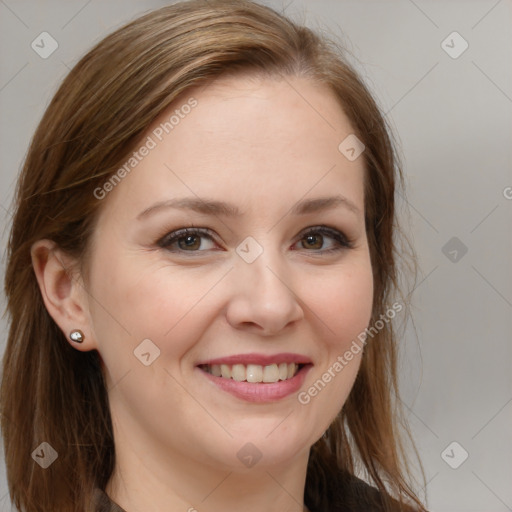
{"type": "Point", "coordinates": [192, 240]}
{"type": "Point", "coordinates": [186, 240]}
{"type": "Point", "coordinates": [189, 242]}
{"type": "Point", "coordinates": [314, 239]}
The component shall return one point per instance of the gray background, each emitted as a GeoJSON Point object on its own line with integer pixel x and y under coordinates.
{"type": "Point", "coordinates": [453, 118]}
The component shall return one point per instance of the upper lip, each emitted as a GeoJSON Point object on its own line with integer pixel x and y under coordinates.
{"type": "Point", "coordinates": [259, 359]}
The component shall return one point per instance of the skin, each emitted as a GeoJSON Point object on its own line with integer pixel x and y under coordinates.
{"type": "Point", "coordinates": [258, 144]}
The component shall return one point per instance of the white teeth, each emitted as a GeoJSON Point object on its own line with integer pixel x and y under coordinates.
{"type": "Point", "coordinates": [254, 372]}
{"type": "Point", "coordinates": [238, 372]}
{"type": "Point", "coordinates": [283, 371]}
{"type": "Point", "coordinates": [225, 371]}
{"type": "Point", "coordinates": [271, 373]}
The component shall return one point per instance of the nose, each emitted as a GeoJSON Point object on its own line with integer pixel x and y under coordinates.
{"type": "Point", "coordinates": [263, 299]}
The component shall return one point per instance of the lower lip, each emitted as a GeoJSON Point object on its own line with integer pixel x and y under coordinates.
{"type": "Point", "coordinates": [259, 391]}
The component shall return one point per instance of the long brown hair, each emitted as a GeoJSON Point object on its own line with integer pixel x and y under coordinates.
{"type": "Point", "coordinates": [51, 392]}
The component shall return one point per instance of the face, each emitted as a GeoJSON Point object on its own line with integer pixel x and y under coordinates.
{"type": "Point", "coordinates": [233, 332]}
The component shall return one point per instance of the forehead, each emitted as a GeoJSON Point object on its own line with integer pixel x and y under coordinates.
{"type": "Point", "coordinates": [244, 137]}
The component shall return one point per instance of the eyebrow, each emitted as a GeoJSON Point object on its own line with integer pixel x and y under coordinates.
{"type": "Point", "coordinates": [219, 208]}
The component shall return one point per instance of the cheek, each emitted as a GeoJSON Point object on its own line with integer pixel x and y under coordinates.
{"type": "Point", "coordinates": [162, 302]}
{"type": "Point", "coordinates": [344, 307]}
{"type": "Point", "coordinates": [343, 302]}
{"type": "Point", "coordinates": [173, 306]}
{"type": "Point", "coordinates": [155, 301]}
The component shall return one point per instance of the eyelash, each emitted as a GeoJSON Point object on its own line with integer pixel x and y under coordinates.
{"type": "Point", "coordinates": [343, 242]}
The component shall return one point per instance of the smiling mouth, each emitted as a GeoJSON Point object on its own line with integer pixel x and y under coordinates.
{"type": "Point", "coordinates": [253, 373]}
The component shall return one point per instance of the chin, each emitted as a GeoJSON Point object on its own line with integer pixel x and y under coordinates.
{"type": "Point", "coordinates": [263, 447]}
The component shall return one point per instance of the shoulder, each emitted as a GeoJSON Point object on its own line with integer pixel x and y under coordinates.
{"type": "Point", "coordinates": [102, 503]}
{"type": "Point", "coordinates": [358, 496]}
{"type": "Point", "coordinates": [351, 494]}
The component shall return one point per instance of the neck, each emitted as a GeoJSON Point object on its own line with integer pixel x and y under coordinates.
{"type": "Point", "coordinates": [165, 482]}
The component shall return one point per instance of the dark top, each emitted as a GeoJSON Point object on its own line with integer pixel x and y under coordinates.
{"type": "Point", "coordinates": [102, 503]}
{"type": "Point", "coordinates": [361, 497]}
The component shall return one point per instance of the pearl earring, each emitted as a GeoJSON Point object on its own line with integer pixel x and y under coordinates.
{"type": "Point", "coordinates": [77, 336]}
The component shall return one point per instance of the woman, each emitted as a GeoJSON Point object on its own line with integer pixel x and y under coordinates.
{"type": "Point", "coordinates": [200, 278]}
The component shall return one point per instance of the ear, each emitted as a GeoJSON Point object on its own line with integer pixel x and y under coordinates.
{"type": "Point", "coordinates": [63, 291]}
